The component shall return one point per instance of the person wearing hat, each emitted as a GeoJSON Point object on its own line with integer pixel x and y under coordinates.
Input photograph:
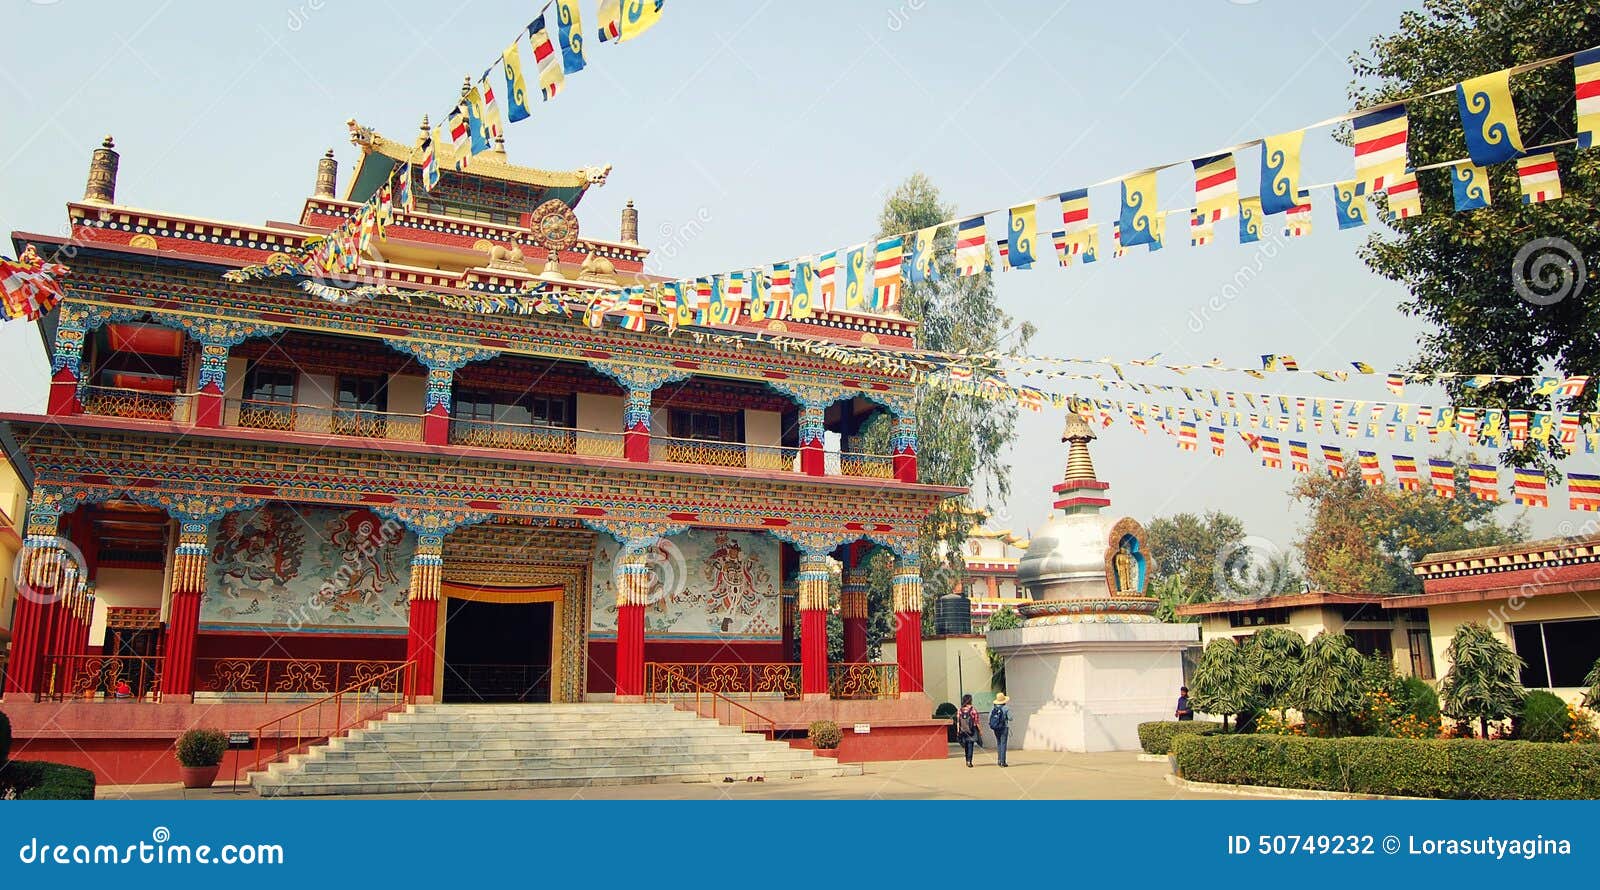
{"type": "Point", "coordinates": [1000, 722]}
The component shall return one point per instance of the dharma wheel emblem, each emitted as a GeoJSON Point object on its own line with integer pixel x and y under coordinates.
{"type": "Point", "coordinates": [554, 227]}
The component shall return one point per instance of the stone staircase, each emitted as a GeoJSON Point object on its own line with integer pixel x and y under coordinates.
{"type": "Point", "coordinates": [435, 748]}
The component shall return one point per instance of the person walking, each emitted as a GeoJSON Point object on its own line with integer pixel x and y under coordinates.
{"type": "Point", "coordinates": [967, 726]}
{"type": "Point", "coordinates": [1000, 722]}
{"type": "Point", "coordinates": [1185, 711]}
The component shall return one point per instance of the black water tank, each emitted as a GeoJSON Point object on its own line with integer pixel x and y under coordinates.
{"type": "Point", "coordinates": [952, 614]}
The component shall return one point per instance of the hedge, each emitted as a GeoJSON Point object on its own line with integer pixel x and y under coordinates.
{"type": "Point", "coordinates": [1466, 769]}
{"type": "Point", "coordinates": [1156, 737]}
{"type": "Point", "coordinates": [42, 780]}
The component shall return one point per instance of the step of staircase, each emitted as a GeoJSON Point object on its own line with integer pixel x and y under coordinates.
{"type": "Point", "coordinates": [438, 748]}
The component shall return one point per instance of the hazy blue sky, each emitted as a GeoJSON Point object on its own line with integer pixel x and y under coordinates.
{"type": "Point", "coordinates": [749, 132]}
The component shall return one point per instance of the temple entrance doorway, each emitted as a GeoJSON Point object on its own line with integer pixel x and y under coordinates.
{"type": "Point", "coordinates": [499, 643]}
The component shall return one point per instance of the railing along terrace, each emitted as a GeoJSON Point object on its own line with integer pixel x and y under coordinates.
{"type": "Point", "coordinates": [669, 683]}
{"type": "Point", "coordinates": [269, 678]}
{"type": "Point", "coordinates": [535, 437]}
{"type": "Point", "coordinates": [100, 678]}
{"type": "Point", "coordinates": [135, 404]}
{"type": "Point", "coordinates": [705, 453]}
{"type": "Point", "coordinates": [751, 681]}
{"type": "Point", "coordinates": [871, 466]}
{"type": "Point", "coordinates": [865, 680]}
{"type": "Point", "coordinates": [318, 721]}
{"type": "Point", "coordinates": [359, 422]}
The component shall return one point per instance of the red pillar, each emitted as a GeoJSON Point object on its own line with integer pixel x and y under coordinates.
{"type": "Point", "coordinates": [422, 637]}
{"type": "Point", "coordinates": [36, 603]}
{"type": "Point", "coordinates": [903, 444]}
{"type": "Point", "coordinates": [812, 433]}
{"type": "Point", "coordinates": [853, 604]}
{"type": "Point", "coordinates": [436, 406]}
{"type": "Point", "coordinates": [636, 425]}
{"type": "Point", "coordinates": [907, 585]}
{"type": "Point", "coordinates": [633, 590]}
{"type": "Point", "coordinates": [183, 617]}
{"type": "Point", "coordinates": [812, 587]}
{"type": "Point", "coordinates": [64, 393]}
{"type": "Point", "coordinates": [436, 426]}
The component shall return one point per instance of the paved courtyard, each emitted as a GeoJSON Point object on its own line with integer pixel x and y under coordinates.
{"type": "Point", "coordinates": [1033, 775]}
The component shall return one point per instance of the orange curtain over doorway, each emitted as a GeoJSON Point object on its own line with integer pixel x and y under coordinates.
{"type": "Point", "coordinates": [483, 593]}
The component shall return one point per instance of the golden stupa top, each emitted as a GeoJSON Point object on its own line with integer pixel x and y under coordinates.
{"type": "Point", "coordinates": [490, 164]}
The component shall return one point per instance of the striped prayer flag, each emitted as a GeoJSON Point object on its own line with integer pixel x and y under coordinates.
{"type": "Point", "coordinates": [1442, 473]}
{"type": "Point", "coordinates": [1350, 205]}
{"type": "Point", "coordinates": [827, 266]}
{"type": "Point", "coordinates": [1572, 387]}
{"type": "Point", "coordinates": [1063, 247]}
{"type": "Point", "coordinates": [1583, 491]}
{"type": "Point", "coordinates": [780, 291]}
{"type": "Point", "coordinates": [886, 274]}
{"type": "Point", "coordinates": [1280, 171]}
{"type": "Point", "coordinates": [1299, 457]}
{"type": "Point", "coordinates": [972, 247]}
{"type": "Point", "coordinates": [1380, 145]}
{"type": "Point", "coordinates": [1540, 177]}
{"type": "Point", "coordinates": [1003, 248]}
{"type": "Point", "coordinates": [1469, 184]}
{"type": "Point", "coordinates": [1219, 440]}
{"type": "Point", "coordinates": [1569, 428]}
{"type": "Point", "coordinates": [610, 20]}
{"type": "Point", "coordinates": [1371, 470]}
{"type": "Point", "coordinates": [1023, 231]}
{"type": "Point", "coordinates": [1528, 488]}
{"type": "Point", "coordinates": [1396, 384]}
{"type": "Point", "coordinates": [1187, 440]}
{"type": "Point", "coordinates": [633, 312]}
{"type": "Point", "coordinates": [1405, 200]}
{"type": "Point", "coordinates": [489, 111]}
{"type": "Point", "coordinates": [1586, 79]}
{"type": "Point", "coordinates": [1297, 221]}
{"type": "Point", "coordinates": [545, 59]}
{"type": "Point", "coordinates": [1483, 481]}
{"type": "Point", "coordinates": [1489, 118]}
{"type": "Point", "coordinates": [460, 133]}
{"type": "Point", "coordinates": [430, 160]}
{"type": "Point", "coordinates": [1271, 453]}
{"type": "Point", "coordinates": [1405, 472]}
{"type": "Point", "coordinates": [1201, 230]}
{"type": "Point", "coordinates": [1216, 187]}
{"type": "Point", "coordinates": [1074, 210]}
{"type": "Point", "coordinates": [1333, 456]}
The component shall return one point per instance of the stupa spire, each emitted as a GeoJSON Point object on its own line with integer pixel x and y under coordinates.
{"type": "Point", "coordinates": [1080, 491]}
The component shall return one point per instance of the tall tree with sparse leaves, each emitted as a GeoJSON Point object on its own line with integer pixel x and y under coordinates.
{"type": "Point", "coordinates": [1484, 680]}
{"type": "Point", "coordinates": [1462, 269]}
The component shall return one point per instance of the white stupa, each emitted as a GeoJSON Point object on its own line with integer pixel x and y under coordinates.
{"type": "Point", "coordinates": [1090, 662]}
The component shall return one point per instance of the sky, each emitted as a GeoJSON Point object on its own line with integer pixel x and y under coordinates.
{"type": "Point", "coordinates": [751, 132]}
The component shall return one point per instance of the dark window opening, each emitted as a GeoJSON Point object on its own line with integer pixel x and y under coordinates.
{"type": "Point", "coordinates": [275, 385]}
{"type": "Point", "coordinates": [1258, 618]}
{"type": "Point", "coordinates": [708, 426]}
{"type": "Point", "coordinates": [1557, 653]}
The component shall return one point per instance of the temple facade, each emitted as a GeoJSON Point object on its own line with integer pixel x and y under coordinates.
{"type": "Point", "coordinates": [264, 486]}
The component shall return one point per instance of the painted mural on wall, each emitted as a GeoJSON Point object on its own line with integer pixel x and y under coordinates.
{"type": "Point", "coordinates": [708, 585]}
{"type": "Point", "coordinates": [307, 569]}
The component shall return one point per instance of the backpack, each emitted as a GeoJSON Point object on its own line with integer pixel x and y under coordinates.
{"type": "Point", "coordinates": [963, 724]}
{"type": "Point", "coordinates": [997, 718]}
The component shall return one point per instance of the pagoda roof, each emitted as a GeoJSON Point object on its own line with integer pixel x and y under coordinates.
{"type": "Point", "coordinates": [380, 155]}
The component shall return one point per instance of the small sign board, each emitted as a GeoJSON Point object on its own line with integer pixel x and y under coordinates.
{"type": "Point", "coordinates": [239, 739]}
{"type": "Point", "coordinates": [861, 728]}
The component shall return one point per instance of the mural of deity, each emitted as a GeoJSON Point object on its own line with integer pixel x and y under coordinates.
{"type": "Point", "coordinates": [353, 565]}
{"type": "Point", "coordinates": [734, 580]}
{"type": "Point", "coordinates": [707, 585]}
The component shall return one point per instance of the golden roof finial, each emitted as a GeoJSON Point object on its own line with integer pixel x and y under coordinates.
{"type": "Point", "coordinates": [1079, 465]}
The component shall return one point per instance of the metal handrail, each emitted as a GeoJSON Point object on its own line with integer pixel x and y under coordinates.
{"type": "Point", "coordinates": [717, 453]}
{"type": "Point", "coordinates": [290, 417]}
{"type": "Point", "coordinates": [700, 692]}
{"type": "Point", "coordinates": [134, 404]}
{"type": "Point", "coordinates": [267, 677]}
{"type": "Point", "coordinates": [400, 677]}
{"type": "Point", "coordinates": [75, 676]}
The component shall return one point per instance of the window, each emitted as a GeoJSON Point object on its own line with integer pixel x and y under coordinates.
{"type": "Point", "coordinates": [1372, 642]}
{"type": "Point", "coordinates": [363, 394]}
{"type": "Point", "coordinates": [1557, 653]}
{"type": "Point", "coordinates": [1364, 612]}
{"type": "Point", "coordinates": [1258, 618]}
{"type": "Point", "coordinates": [708, 426]}
{"type": "Point", "coordinates": [1420, 643]}
{"type": "Point", "coordinates": [274, 385]}
{"type": "Point", "coordinates": [526, 410]}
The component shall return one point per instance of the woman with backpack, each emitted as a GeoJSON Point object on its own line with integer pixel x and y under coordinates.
{"type": "Point", "coordinates": [967, 726]}
{"type": "Point", "coordinates": [1000, 722]}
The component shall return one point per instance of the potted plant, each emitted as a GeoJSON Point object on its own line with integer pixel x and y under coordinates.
{"type": "Point", "coordinates": [825, 737]}
{"type": "Point", "coordinates": [200, 756]}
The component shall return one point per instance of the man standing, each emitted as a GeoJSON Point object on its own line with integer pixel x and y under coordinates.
{"type": "Point", "coordinates": [1184, 712]}
{"type": "Point", "coordinates": [1000, 722]}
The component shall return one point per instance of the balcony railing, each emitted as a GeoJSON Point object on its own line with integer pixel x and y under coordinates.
{"type": "Point", "coordinates": [870, 466]}
{"type": "Point", "coordinates": [535, 437]}
{"type": "Point", "coordinates": [724, 454]}
{"type": "Point", "coordinates": [770, 680]}
{"type": "Point", "coordinates": [135, 404]}
{"type": "Point", "coordinates": [360, 422]}
{"type": "Point", "coordinates": [267, 679]}
{"type": "Point", "coordinates": [100, 678]}
{"type": "Point", "coordinates": [867, 680]}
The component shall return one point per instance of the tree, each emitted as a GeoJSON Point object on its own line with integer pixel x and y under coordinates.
{"type": "Point", "coordinates": [1364, 538]}
{"type": "Point", "coordinates": [1462, 269]}
{"type": "Point", "coordinates": [1192, 552]}
{"type": "Point", "coordinates": [1591, 696]}
{"type": "Point", "coordinates": [1482, 683]}
{"type": "Point", "coordinates": [961, 438]}
{"type": "Point", "coordinates": [1223, 681]}
{"type": "Point", "coordinates": [1328, 685]}
{"type": "Point", "coordinates": [1275, 655]}
{"type": "Point", "coordinates": [1001, 620]}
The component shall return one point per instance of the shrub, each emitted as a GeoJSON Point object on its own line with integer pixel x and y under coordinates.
{"type": "Point", "coordinates": [202, 747]}
{"type": "Point", "coordinates": [1419, 700]}
{"type": "Point", "coordinates": [42, 780]}
{"type": "Point", "coordinates": [1467, 769]}
{"type": "Point", "coordinates": [5, 738]}
{"type": "Point", "coordinates": [1156, 737]}
{"type": "Point", "coordinates": [1544, 718]}
{"type": "Point", "coordinates": [824, 735]}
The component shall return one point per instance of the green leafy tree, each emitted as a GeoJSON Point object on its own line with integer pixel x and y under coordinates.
{"type": "Point", "coordinates": [961, 438]}
{"type": "Point", "coordinates": [1482, 683]}
{"type": "Point", "coordinates": [1274, 656]}
{"type": "Point", "coordinates": [1001, 620]}
{"type": "Point", "coordinates": [1224, 682]}
{"type": "Point", "coordinates": [1364, 538]}
{"type": "Point", "coordinates": [1185, 548]}
{"type": "Point", "coordinates": [1461, 268]}
{"type": "Point", "coordinates": [1591, 696]}
{"type": "Point", "coordinates": [1328, 688]}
